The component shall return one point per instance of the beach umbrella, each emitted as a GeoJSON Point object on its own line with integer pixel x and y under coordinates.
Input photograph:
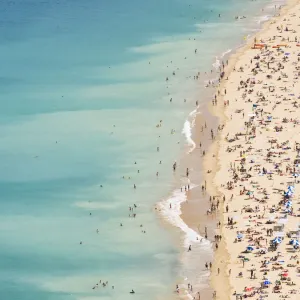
{"type": "Point", "coordinates": [289, 203]}
{"type": "Point", "coordinates": [285, 274]}
{"type": "Point", "coordinates": [239, 236]}
{"type": "Point", "coordinates": [250, 248]}
{"type": "Point", "coordinates": [267, 282]}
{"type": "Point", "coordinates": [277, 240]}
{"type": "Point", "coordinates": [296, 243]}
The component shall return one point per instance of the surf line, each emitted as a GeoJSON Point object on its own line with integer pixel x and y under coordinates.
{"type": "Point", "coordinates": [187, 129]}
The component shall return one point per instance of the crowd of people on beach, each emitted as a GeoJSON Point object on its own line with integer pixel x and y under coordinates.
{"type": "Point", "coordinates": [260, 165]}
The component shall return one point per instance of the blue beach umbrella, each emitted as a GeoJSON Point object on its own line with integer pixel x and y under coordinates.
{"type": "Point", "coordinates": [239, 236]}
{"type": "Point", "coordinates": [277, 240]}
{"type": "Point", "coordinates": [289, 203]}
{"type": "Point", "coordinates": [296, 243]}
{"type": "Point", "coordinates": [250, 248]}
{"type": "Point", "coordinates": [267, 282]}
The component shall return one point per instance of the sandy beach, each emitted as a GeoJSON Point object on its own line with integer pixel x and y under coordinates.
{"type": "Point", "coordinates": [255, 173]}
{"type": "Point", "coordinates": [245, 169]}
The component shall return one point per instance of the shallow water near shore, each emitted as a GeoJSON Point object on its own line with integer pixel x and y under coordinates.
{"type": "Point", "coordinates": [83, 89]}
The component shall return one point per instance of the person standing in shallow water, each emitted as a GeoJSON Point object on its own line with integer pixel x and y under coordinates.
{"type": "Point", "coordinates": [174, 166]}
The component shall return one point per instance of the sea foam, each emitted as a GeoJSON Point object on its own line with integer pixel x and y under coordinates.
{"type": "Point", "coordinates": [171, 209]}
{"type": "Point", "coordinates": [187, 130]}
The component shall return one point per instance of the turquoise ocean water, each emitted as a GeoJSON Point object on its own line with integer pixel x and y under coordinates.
{"type": "Point", "coordinates": [82, 88]}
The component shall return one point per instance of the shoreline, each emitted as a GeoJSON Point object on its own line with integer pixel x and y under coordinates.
{"type": "Point", "coordinates": [221, 283]}
{"type": "Point", "coordinates": [220, 257]}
